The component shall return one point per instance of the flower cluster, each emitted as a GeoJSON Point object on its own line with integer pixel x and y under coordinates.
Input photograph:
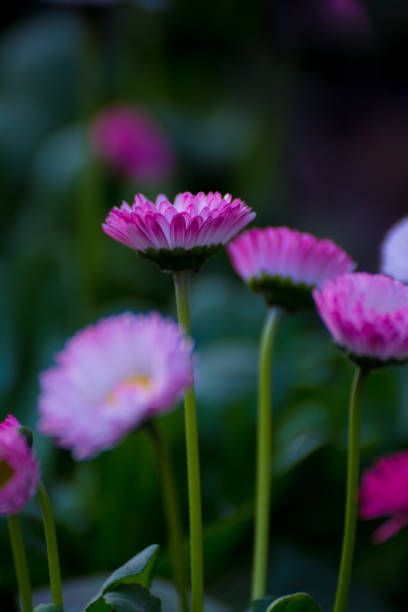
{"type": "Point", "coordinates": [181, 235]}
{"type": "Point", "coordinates": [112, 376]}
{"type": "Point", "coordinates": [19, 473]}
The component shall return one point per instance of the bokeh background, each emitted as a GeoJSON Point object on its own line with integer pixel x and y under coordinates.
{"type": "Point", "coordinates": [300, 109]}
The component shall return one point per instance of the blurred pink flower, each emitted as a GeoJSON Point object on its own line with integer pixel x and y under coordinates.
{"type": "Point", "coordinates": [384, 492]}
{"type": "Point", "coordinates": [347, 13]}
{"type": "Point", "coordinates": [394, 251]}
{"type": "Point", "coordinates": [132, 142]}
{"type": "Point", "coordinates": [179, 235]}
{"type": "Point", "coordinates": [19, 472]}
{"type": "Point", "coordinates": [112, 376]}
{"type": "Point", "coordinates": [285, 265]}
{"type": "Point", "coordinates": [367, 315]}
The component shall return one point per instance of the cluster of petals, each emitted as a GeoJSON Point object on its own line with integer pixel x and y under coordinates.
{"type": "Point", "coordinates": [384, 492]}
{"type": "Point", "coordinates": [200, 220]}
{"type": "Point", "coordinates": [112, 376]}
{"type": "Point", "coordinates": [367, 314]}
{"type": "Point", "coordinates": [394, 251]}
{"type": "Point", "coordinates": [288, 254]}
{"type": "Point", "coordinates": [19, 472]}
{"type": "Point", "coordinates": [131, 141]}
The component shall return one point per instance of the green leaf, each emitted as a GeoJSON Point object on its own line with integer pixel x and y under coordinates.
{"type": "Point", "coordinates": [298, 602]}
{"type": "Point", "coordinates": [136, 571]}
{"type": "Point", "coordinates": [48, 608]}
{"type": "Point", "coordinates": [127, 598]}
{"type": "Point", "coordinates": [133, 598]}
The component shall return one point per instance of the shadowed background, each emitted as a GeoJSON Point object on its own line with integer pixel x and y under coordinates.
{"type": "Point", "coordinates": [297, 108]}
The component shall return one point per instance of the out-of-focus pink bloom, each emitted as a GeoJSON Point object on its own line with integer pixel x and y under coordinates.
{"type": "Point", "coordinates": [112, 376]}
{"type": "Point", "coordinates": [346, 13]}
{"type": "Point", "coordinates": [19, 473]}
{"type": "Point", "coordinates": [367, 315]}
{"type": "Point", "coordinates": [384, 492]}
{"type": "Point", "coordinates": [394, 251]}
{"type": "Point", "coordinates": [285, 265]}
{"type": "Point", "coordinates": [181, 235]}
{"type": "Point", "coordinates": [133, 143]}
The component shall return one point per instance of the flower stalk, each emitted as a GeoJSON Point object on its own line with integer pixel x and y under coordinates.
{"type": "Point", "coordinates": [181, 284]}
{"type": "Point", "coordinates": [171, 510]}
{"type": "Point", "coordinates": [263, 459]}
{"type": "Point", "coordinates": [52, 546]}
{"type": "Point", "coordinates": [20, 562]}
{"type": "Point", "coordinates": [353, 463]}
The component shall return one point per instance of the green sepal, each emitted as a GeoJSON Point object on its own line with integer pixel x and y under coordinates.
{"type": "Point", "coordinates": [48, 608]}
{"type": "Point", "coordinates": [370, 363]}
{"type": "Point", "coordinates": [278, 291]}
{"type": "Point", "coordinates": [175, 260]}
{"type": "Point", "coordinates": [298, 602]}
{"type": "Point", "coordinates": [137, 571]}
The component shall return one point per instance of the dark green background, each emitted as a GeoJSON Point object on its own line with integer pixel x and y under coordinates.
{"type": "Point", "coordinates": [306, 121]}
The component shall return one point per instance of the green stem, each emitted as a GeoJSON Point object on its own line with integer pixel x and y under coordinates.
{"type": "Point", "coordinates": [20, 562]}
{"type": "Point", "coordinates": [263, 458]}
{"type": "Point", "coordinates": [171, 511]}
{"type": "Point", "coordinates": [350, 521]}
{"type": "Point", "coordinates": [52, 546]}
{"type": "Point", "coordinates": [181, 284]}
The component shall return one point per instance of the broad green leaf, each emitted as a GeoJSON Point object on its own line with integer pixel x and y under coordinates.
{"type": "Point", "coordinates": [298, 602]}
{"type": "Point", "coordinates": [127, 598]}
{"type": "Point", "coordinates": [48, 608]}
{"type": "Point", "coordinates": [133, 598]}
{"type": "Point", "coordinates": [137, 570]}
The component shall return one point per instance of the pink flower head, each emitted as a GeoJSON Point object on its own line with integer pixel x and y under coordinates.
{"type": "Point", "coordinates": [284, 265]}
{"type": "Point", "coordinates": [19, 473]}
{"type": "Point", "coordinates": [132, 142]}
{"type": "Point", "coordinates": [367, 315]}
{"type": "Point", "coordinates": [181, 235]}
{"type": "Point", "coordinates": [112, 376]}
{"type": "Point", "coordinates": [394, 251]}
{"type": "Point", "coordinates": [384, 492]}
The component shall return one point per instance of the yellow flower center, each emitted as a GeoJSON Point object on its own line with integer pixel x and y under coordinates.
{"type": "Point", "coordinates": [134, 382]}
{"type": "Point", "coordinates": [6, 473]}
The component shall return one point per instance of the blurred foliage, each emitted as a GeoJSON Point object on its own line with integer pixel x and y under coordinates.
{"type": "Point", "coordinates": [265, 102]}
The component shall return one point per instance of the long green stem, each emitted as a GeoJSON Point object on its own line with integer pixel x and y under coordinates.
{"type": "Point", "coordinates": [171, 511]}
{"type": "Point", "coordinates": [52, 546]}
{"type": "Point", "coordinates": [20, 562]}
{"type": "Point", "coordinates": [181, 284]}
{"type": "Point", "coordinates": [353, 462]}
{"type": "Point", "coordinates": [263, 458]}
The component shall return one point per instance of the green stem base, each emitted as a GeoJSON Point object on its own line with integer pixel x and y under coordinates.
{"type": "Point", "coordinates": [20, 562]}
{"type": "Point", "coordinates": [263, 457]}
{"type": "Point", "coordinates": [181, 284]}
{"type": "Point", "coordinates": [353, 466]}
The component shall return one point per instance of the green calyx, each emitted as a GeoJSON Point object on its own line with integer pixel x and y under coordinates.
{"type": "Point", "coordinates": [27, 434]}
{"type": "Point", "coordinates": [370, 363]}
{"type": "Point", "coordinates": [283, 292]}
{"type": "Point", "coordinates": [175, 260]}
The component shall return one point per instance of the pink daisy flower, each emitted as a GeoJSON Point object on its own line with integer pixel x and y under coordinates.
{"type": "Point", "coordinates": [394, 251]}
{"type": "Point", "coordinates": [178, 236]}
{"type": "Point", "coordinates": [112, 376]}
{"type": "Point", "coordinates": [19, 472]}
{"type": "Point", "coordinates": [367, 315]}
{"type": "Point", "coordinates": [384, 492]}
{"type": "Point", "coordinates": [284, 265]}
{"type": "Point", "coordinates": [132, 142]}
